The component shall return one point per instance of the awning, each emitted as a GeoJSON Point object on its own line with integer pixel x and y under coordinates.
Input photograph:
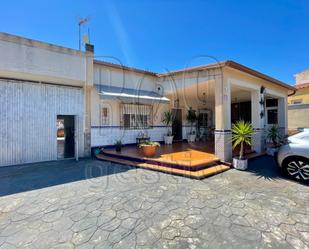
{"type": "Point", "coordinates": [129, 95]}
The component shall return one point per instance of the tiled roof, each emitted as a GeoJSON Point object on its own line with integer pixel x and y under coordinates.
{"type": "Point", "coordinates": [301, 86]}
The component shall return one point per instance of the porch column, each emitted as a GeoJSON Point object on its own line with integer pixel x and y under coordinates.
{"type": "Point", "coordinates": [282, 116]}
{"type": "Point", "coordinates": [257, 121]}
{"type": "Point", "coordinates": [223, 145]}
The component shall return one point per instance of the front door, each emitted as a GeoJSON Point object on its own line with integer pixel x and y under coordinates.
{"type": "Point", "coordinates": [177, 124]}
{"type": "Point", "coordinates": [65, 136]}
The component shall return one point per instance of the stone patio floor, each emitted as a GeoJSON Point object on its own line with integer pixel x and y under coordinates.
{"type": "Point", "coordinates": [95, 204]}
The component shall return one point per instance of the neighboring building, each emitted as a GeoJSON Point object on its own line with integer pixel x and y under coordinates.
{"type": "Point", "coordinates": [57, 102]}
{"type": "Point", "coordinates": [41, 84]}
{"type": "Point", "coordinates": [298, 109]}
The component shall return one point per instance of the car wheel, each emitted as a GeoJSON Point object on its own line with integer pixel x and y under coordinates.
{"type": "Point", "coordinates": [296, 168]}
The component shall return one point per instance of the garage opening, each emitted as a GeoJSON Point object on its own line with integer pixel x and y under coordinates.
{"type": "Point", "coordinates": [65, 136]}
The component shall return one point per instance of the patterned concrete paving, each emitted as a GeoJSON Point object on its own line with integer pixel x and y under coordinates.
{"type": "Point", "coordinates": [92, 204]}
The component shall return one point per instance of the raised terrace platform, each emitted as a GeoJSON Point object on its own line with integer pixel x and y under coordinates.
{"type": "Point", "coordinates": [195, 160]}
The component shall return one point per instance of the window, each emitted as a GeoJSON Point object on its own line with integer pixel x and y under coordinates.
{"type": "Point", "coordinates": [135, 116]}
{"type": "Point", "coordinates": [272, 116]}
{"type": "Point", "coordinates": [105, 115]}
{"type": "Point", "coordinates": [297, 101]}
{"type": "Point", "coordinates": [271, 102]}
{"type": "Point", "coordinates": [272, 111]}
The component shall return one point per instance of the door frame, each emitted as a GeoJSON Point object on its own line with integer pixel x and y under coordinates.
{"type": "Point", "coordinates": [181, 124]}
{"type": "Point", "coordinates": [75, 136]}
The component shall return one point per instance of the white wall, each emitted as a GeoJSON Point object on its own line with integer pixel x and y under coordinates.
{"type": "Point", "coordinates": [28, 120]}
{"type": "Point", "coordinates": [27, 59]}
{"type": "Point", "coordinates": [110, 76]}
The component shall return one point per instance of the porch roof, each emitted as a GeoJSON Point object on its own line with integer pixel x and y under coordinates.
{"type": "Point", "coordinates": [127, 94]}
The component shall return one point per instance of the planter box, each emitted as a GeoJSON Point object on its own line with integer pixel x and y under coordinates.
{"type": "Point", "coordinates": [240, 164]}
{"type": "Point", "coordinates": [168, 139]}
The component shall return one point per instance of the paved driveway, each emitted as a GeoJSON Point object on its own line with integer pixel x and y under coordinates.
{"type": "Point", "coordinates": [93, 204]}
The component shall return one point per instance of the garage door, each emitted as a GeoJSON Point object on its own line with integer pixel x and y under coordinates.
{"type": "Point", "coordinates": [28, 120]}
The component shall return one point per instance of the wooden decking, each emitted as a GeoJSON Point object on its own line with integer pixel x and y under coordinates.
{"type": "Point", "coordinates": [196, 160]}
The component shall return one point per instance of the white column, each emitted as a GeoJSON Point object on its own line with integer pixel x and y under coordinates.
{"type": "Point", "coordinates": [223, 146]}
{"type": "Point", "coordinates": [257, 122]}
{"type": "Point", "coordinates": [282, 115]}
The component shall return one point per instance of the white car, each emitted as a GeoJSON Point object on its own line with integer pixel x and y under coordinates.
{"type": "Point", "coordinates": [293, 157]}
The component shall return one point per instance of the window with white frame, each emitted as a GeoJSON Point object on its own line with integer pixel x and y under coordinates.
{"type": "Point", "coordinates": [297, 101]}
{"type": "Point", "coordinates": [136, 116]}
{"type": "Point", "coordinates": [272, 111]}
{"type": "Point", "coordinates": [105, 115]}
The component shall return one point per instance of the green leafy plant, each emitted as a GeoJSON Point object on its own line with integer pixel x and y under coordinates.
{"type": "Point", "coordinates": [273, 135]}
{"type": "Point", "coordinates": [191, 118]}
{"type": "Point", "coordinates": [149, 143]}
{"type": "Point", "coordinates": [167, 119]}
{"type": "Point", "coordinates": [241, 134]}
{"type": "Point", "coordinates": [118, 145]}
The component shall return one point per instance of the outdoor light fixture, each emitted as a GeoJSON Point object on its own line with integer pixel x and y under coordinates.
{"type": "Point", "coordinates": [261, 114]}
{"type": "Point", "coordinates": [262, 101]}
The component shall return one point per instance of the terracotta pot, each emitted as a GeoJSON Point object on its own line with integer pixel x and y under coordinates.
{"type": "Point", "coordinates": [149, 151]}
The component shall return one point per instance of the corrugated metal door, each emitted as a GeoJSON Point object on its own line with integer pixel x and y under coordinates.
{"type": "Point", "coordinates": [28, 118]}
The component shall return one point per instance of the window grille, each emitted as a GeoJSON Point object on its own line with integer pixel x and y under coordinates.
{"type": "Point", "coordinates": [135, 116]}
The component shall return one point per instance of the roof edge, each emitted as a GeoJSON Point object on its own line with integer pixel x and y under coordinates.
{"type": "Point", "coordinates": [36, 43]}
{"type": "Point", "coordinates": [240, 67]}
{"type": "Point", "coordinates": [122, 67]}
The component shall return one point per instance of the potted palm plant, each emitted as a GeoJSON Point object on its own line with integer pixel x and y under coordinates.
{"type": "Point", "coordinates": [167, 119]}
{"type": "Point", "coordinates": [241, 134]}
{"type": "Point", "coordinates": [149, 148]}
{"type": "Point", "coordinates": [191, 118]}
{"type": "Point", "coordinates": [274, 137]}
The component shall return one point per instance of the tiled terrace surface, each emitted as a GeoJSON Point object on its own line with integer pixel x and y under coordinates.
{"type": "Point", "coordinates": [95, 204]}
{"type": "Point", "coordinates": [185, 154]}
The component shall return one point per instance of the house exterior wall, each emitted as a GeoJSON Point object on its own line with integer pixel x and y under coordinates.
{"type": "Point", "coordinates": [301, 94]}
{"type": "Point", "coordinates": [302, 77]}
{"type": "Point", "coordinates": [298, 109]}
{"type": "Point", "coordinates": [107, 135]}
{"type": "Point", "coordinates": [298, 114]}
{"type": "Point", "coordinates": [31, 60]}
{"type": "Point", "coordinates": [185, 90]}
{"type": "Point", "coordinates": [38, 82]}
{"type": "Point", "coordinates": [29, 117]}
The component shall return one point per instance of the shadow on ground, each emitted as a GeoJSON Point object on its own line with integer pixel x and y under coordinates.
{"type": "Point", "coordinates": [16, 179]}
{"type": "Point", "coordinates": [266, 167]}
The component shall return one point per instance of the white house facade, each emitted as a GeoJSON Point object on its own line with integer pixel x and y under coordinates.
{"type": "Point", "coordinates": [59, 103]}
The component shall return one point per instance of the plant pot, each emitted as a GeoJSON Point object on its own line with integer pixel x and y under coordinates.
{"type": "Point", "coordinates": [240, 164]}
{"type": "Point", "coordinates": [191, 138]}
{"type": "Point", "coordinates": [271, 151]}
{"type": "Point", "coordinates": [118, 148]}
{"type": "Point", "coordinates": [149, 151]}
{"type": "Point", "coordinates": [168, 139]}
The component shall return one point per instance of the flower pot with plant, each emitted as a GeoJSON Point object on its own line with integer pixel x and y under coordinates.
{"type": "Point", "coordinates": [167, 119]}
{"type": "Point", "coordinates": [241, 134]}
{"type": "Point", "coordinates": [274, 136]}
{"type": "Point", "coordinates": [118, 145]}
{"type": "Point", "coordinates": [191, 118]}
{"type": "Point", "coordinates": [149, 148]}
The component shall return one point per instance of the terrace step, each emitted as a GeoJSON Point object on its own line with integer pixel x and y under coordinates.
{"type": "Point", "coordinates": [199, 174]}
{"type": "Point", "coordinates": [174, 161]}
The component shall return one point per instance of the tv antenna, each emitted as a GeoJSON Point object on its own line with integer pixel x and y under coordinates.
{"type": "Point", "coordinates": [81, 21]}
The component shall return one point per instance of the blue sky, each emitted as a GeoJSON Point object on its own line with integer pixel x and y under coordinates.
{"type": "Point", "coordinates": [268, 35]}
